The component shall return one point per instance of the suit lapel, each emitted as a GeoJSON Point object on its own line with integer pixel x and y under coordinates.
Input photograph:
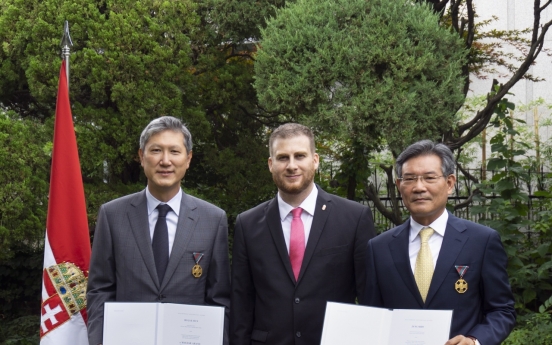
{"type": "Point", "coordinates": [318, 223]}
{"type": "Point", "coordinates": [139, 224]}
{"type": "Point", "coordinates": [399, 252]}
{"type": "Point", "coordinates": [187, 221]}
{"type": "Point", "coordinates": [453, 242]}
{"type": "Point", "coordinates": [274, 225]}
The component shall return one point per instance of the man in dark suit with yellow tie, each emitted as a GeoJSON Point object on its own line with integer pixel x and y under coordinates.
{"type": "Point", "coordinates": [295, 252]}
{"type": "Point", "coordinates": [438, 261]}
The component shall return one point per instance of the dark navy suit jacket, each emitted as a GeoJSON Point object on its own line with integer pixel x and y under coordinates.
{"type": "Point", "coordinates": [485, 311]}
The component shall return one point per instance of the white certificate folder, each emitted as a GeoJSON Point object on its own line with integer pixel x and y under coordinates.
{"type": "Point", "coordinates": [162, 324]}
{"type": "Point", "coordinates": [353, 324]}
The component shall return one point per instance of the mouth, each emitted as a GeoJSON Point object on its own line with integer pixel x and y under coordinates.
{"type": "Point", "coordinates": [420, 199]}
{"type": "Point", "coordinates": [293, 177]}
{"type": "Point", "coordinates": [164, 173]}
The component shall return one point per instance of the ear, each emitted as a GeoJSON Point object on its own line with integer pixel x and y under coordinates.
{"type": "Point", "coordinates": [141, 154]}
{"type": "Point", "coordinates": [451, 181]}
{"type": "Point", "coordinates": [189, 159]}
{"type": "Point", "coordinates": [316, 159]}
{"type": "Point", "coordinates": [270, 164]}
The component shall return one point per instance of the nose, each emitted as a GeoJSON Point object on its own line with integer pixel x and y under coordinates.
{"type": "Point", "coordinates": [419, 184]}
{"type": "Point", "coordinates": [292, 165]}
{"type": "Point", "coordinates": [165, 160]}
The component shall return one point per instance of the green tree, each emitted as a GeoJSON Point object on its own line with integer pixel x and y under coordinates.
{"type": "Point", "coordinates": [24, 171]}
{"type": "Point", "coordinates": [382, 73]}
{"type": "Point", "coordinates": [133, 62]}
{"type": "Point", "coordinates": [239, 21]}
{"type": "Point", "coordinates": [486, 52]}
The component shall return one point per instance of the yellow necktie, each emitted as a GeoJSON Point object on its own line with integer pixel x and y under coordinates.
{"type": "Point", "coordinates": [424, 263]}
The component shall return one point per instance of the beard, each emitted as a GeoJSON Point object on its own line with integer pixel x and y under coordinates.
{"type": "Point", "coordinates": [296, 187]}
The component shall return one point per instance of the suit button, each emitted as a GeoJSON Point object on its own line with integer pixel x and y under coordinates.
{"type": "Point", "coordinates": [298, 334]}
{"type": "Point", "coordinates": [160, 297]}
{"type": "Point", "coordinates": [297, 300]}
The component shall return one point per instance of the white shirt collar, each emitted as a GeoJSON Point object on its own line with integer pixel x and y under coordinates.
{"type": "Point", "coordinates": [308, 205]}
{"type": "Point", "coordinates": [439, 225]}
{"type": "Point", "coordinates": [174, 203]}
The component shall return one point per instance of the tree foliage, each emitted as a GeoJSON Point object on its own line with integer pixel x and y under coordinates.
{"type": "Point", "coordinates": [377, 71]}
{"type": "Point", "coordinates": [484, 56]}
{"type": "Point", "coordinates": [132, 62]}
{"type": "Point", "coordinates": [24, 171]}
{"type": "Point", "coordinates": [239, 21]}
{"type": "Point", "coordinates": [528, 243]}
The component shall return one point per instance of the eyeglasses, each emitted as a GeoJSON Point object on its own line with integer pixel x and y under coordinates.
{"type": "Point", "coordinates": [412, 179]}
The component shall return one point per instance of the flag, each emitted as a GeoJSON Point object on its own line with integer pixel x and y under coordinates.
{"type": "Point", "coordinates": [67, 243]}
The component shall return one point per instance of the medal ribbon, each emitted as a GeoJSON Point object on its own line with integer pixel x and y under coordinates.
{"type": "Point", "coordinates": [198, 257]}
{"type": "Point", "coordinates": [461, 270]}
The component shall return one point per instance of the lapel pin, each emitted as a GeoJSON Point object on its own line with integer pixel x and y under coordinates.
{"type": "Point", "coordinates": [323, 207]}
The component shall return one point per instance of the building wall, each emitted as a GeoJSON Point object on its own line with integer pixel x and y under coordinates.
{"type": "Point", "coordinates": [518, 15]}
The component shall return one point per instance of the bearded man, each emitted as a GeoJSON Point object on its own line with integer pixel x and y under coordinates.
{"type": "Point", "coordinates": [295, 252]}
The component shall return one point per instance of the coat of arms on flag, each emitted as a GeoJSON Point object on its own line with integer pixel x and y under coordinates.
{"type": "Point", "coordinates": [65, 285]}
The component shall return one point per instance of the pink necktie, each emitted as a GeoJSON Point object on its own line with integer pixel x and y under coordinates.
{"type": "Point", "coordinates": [297, 241]}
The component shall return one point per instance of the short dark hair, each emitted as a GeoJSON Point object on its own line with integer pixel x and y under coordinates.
{"type": "Point", "coordinates": [424, 148]}
{"type": "Point", "coordinates": [290, 130]}
{"type": "Point", "coordinates": [165, 123]}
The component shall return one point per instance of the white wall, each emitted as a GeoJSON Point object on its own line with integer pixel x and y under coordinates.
{"type": "Point", "coordinates": [518, 15]}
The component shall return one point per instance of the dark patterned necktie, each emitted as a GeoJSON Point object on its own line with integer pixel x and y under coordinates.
{"type": "Point", "coordinates": [160, 242]}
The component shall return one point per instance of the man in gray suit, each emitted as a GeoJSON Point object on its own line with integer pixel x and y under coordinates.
{"type": "Point", "coordinates": [160, 244]}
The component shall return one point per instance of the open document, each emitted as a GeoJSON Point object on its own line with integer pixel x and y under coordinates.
{"type": "Point", "coordinates": [353, 324]}
{"type": "Point", "coordinates": [162, 324]}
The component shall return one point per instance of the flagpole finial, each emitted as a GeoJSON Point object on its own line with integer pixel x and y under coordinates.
{"type": "Point", "coordinates": [66, 44]}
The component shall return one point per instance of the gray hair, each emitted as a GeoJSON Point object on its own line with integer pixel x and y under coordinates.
{"type": "Point", "coordinates": [290, 130]}
{"type": "Point", "coordinates": [165, 123]}
{"type": "Point", "coordinates": [424, 148]}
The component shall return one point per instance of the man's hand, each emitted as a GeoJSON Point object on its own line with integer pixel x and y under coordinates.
{"type": "Point", "coordinates": [460, 340]}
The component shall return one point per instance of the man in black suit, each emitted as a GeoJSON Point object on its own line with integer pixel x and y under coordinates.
{"type": "Point", "coordinates": [295, 252]}
{"type": "Point", "coordinates": [438, 261]}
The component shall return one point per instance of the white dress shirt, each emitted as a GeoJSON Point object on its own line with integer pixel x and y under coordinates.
{"type": "Point", "coordinates": [172, 216]}
{"type": "Point", "coordinates": [308, 205]}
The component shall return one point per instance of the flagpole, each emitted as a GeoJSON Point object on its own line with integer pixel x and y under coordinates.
{"type": "Point", "coordinates": [67, 241]}
{"type": "Point", "coordinates": [66, 44]}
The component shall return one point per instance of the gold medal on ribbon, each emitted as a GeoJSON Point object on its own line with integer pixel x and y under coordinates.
{"type": "Point", "coordinates": [461, 286]}
{"type": "Point", "coordinates": [197, 271]}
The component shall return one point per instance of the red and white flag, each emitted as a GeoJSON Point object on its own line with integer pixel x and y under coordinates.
{"type": "Point", "coordinates": [67, 244]}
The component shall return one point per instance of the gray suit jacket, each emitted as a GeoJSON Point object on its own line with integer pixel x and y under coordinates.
{"type": "Point", "coordinates": [122, 267]}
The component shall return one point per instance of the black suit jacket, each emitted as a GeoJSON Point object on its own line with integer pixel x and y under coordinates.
{"type": "Point", "coordinates": [485, 310]}
{"type": "Point", "coordinates": [268, 305]}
